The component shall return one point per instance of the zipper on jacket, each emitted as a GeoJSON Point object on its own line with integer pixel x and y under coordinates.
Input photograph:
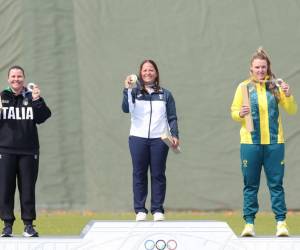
{"type": "Point", "coordinates": [150, 115]}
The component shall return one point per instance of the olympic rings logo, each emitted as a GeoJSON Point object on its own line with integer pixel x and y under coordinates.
{"type": "Point", "coordinates": [160, 245]}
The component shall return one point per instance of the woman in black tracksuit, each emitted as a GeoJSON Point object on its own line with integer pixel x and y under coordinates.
{"type": "Point", "coordinates": [21, 110]}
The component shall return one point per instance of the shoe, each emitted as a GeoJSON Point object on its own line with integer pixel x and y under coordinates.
{"type": "Point", "coordinates": [141, 216]}
{"type": "Point", "coordinates": [282, 229]}
{"type": "Point", "coordinates": [248, 230]}
{"type": "Point", "coordinates": [158, 216]}
{"type": "Point", "coordinates": [29, 231]}
{"type": "Point", "coordinates": [7, 231]}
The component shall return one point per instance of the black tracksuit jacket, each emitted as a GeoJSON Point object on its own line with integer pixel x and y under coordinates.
{"type": "Point", "coordinates": [18, 118]}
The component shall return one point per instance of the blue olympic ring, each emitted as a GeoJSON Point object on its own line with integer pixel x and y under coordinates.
{"type": "Point", "coordinates": [149, 245]}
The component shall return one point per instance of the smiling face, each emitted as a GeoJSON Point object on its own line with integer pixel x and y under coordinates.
{"type": "Point", "coordinates": [16, 79]}
{"type": "Point", "coordinates": [148, 73]}
{"type": "Point", "coordinates": [259, 69]}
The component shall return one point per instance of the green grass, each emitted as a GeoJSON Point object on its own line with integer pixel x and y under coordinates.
{"type": "Point", "coordinates": [63, 223]}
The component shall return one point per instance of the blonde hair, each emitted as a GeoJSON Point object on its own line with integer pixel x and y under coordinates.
{"type": "Point", "coordinates": [260, 53]}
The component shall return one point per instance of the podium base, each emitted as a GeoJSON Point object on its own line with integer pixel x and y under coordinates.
{"type": "Point", "coordinates": [166, 235]}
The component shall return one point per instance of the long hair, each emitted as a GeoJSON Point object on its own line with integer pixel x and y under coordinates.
{"type": "Point", "coordinates": [156, 81]}
{"type": "Point", "coordinates": [261, 54]}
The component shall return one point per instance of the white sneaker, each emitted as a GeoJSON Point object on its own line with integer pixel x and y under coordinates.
{"type": "Point", "coordinates": [248, 230]}
{"type": "Point", "coordinates": [282, 229]}
{"type": "Point", "coordinates": [141, 216]}
{"type": "Point", "coordinates": [158, 216]}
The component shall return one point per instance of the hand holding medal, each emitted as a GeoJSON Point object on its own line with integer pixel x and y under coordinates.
{"type": "Point", "coordinates": [32, 87]}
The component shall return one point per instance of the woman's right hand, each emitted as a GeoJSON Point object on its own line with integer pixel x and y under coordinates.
{"type": "Point", "coordinates": [245, 110]}
{"type": "Point", "coordinates": [129, 82]}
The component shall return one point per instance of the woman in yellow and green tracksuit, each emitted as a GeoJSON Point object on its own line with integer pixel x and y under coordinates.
{"type": "Point", "coordinates": [264, 147]}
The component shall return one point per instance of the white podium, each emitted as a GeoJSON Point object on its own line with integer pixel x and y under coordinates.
{"type": "Point", "coordinates": [166, 235]}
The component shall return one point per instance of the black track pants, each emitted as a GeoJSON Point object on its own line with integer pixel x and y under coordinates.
{"type": "Point", "coordinates": [24, 170]}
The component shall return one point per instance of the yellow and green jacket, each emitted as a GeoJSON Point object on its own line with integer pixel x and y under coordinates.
{"type": "Point", "coordinates": [265, 113]}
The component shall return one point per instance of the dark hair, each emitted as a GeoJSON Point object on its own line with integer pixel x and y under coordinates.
{"type": "Point", "coordinates": [16, 67]}
{"type": "Point", "coordinates": [156, 82]}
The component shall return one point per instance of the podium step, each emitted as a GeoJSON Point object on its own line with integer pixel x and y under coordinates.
{"type": "Point", "coordinates": [165, 235]}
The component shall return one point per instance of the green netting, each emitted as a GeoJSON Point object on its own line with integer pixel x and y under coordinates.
{"type": "Point", "coordinates": [80, 51]}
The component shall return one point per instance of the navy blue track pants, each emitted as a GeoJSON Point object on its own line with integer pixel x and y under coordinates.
{"type": "Point", "coordinates": [147, 153]}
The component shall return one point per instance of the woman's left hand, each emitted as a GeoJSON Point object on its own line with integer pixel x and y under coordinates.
{"type": "Point", "coordinates": [36, 92]}
{"type": "Point", "coordinates": [286, 89]}
{"type": "Point", "coordinates": [175, 143]}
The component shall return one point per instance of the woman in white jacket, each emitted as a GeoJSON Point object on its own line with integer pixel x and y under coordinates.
{"type": "Point", "coordinates": [153, 113]}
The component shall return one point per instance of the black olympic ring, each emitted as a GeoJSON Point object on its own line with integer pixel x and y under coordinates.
{"type": "Point", "coordinates": [160, 244]}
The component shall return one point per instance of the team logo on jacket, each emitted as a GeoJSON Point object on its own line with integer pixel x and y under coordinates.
{"type": "Point", "coordinates": [161, 96]}
{"type": "Point", "coordinates": [25, 101]}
